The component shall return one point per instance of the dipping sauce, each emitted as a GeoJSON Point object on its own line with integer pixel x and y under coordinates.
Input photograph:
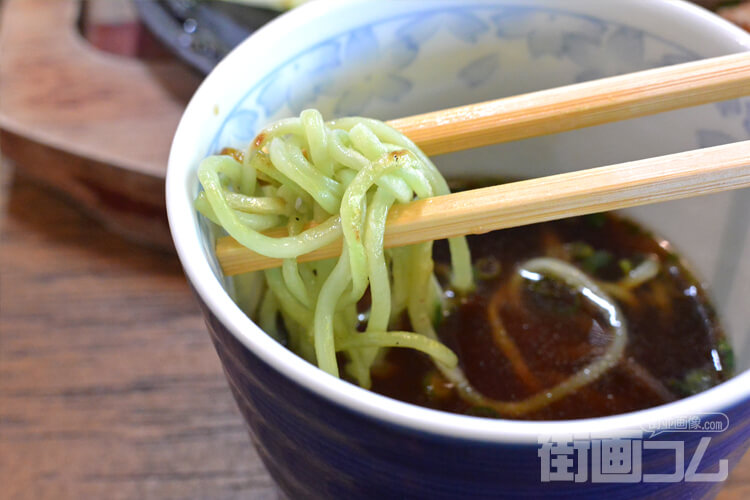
{"type": "Point", "coordinates": [675, 347]}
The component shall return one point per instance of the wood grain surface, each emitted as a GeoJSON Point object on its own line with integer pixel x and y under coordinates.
{"type": "Point", "coordinates": [109, 385]}
{"type": "Point", "coordinates": [104, 121]}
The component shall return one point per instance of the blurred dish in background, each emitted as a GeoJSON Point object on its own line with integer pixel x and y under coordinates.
{"type": "Point", "coordinates": [738, 13]}
{"type": "Point", "coordinates": [202, 32]}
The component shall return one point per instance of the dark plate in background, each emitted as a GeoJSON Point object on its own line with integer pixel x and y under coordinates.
{"type": "Point", "coordinates": [201, 33]}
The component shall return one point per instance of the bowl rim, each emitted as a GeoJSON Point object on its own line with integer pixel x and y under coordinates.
{"type": "Point", "coordinates": [184, 228]}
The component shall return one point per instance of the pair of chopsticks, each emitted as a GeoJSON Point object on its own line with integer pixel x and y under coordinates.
{"type": "Point", "coordinates": [652, 180]}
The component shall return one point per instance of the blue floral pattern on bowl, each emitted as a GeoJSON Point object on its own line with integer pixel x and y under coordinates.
{"type": "Point", "coordinates": [337, 75]}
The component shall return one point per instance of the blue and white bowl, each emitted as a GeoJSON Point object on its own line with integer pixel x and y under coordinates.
{"type": "Point", "coordinates": [321, 437]}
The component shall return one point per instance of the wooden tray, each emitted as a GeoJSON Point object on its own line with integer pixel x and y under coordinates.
{"type": "Point", "coordinates": [94, 125]}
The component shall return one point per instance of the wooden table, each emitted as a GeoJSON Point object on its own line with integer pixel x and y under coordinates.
{"type": "Point", "coordinates": [109, 385]}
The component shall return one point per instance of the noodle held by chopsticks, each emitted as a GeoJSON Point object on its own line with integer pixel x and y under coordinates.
{"type": "Point", "coordinates": [344, 176]}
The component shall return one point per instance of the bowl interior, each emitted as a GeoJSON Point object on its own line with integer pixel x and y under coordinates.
{"type": "Point", "coordinates": [355, 58]}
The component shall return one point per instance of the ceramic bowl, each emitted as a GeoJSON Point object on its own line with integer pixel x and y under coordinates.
{"type": "Point", "coordinates": [321, 437]}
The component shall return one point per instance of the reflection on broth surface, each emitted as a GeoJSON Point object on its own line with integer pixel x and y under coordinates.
{"type": "Point", "coordinates": [548, 331]}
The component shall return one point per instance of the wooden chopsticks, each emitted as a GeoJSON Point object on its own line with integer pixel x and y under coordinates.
{"type": "Point", "coordinates": [664, 178]}
{"type": "Point", "coordinates": [580, 105]}
{"type": "Point", "coordinates": [652, 180]}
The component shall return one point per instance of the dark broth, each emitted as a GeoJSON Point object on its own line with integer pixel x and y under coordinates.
{"type": "Point", "coordinates": [675, 348]}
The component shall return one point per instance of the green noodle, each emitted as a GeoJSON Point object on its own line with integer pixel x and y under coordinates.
{"type": "Point", "coordinates": [402, 339]}
{"type": "Point", "coordinates": [257, 204]}
{"type": "Point", "coordinates": [344, 176]}
{"type": "Point", "coordinates": [268, 313]}
{"type": "Point", "coordinates": [257, 222]}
